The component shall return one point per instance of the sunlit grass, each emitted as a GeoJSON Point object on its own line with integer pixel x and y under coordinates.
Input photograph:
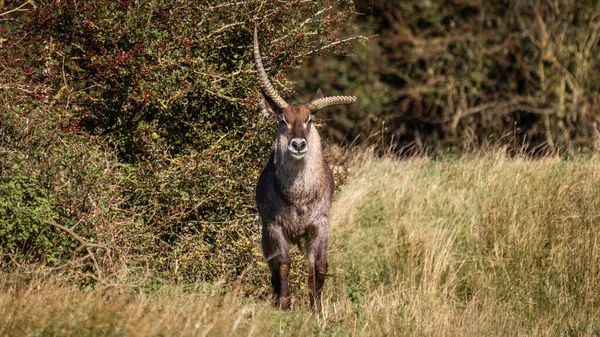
{"type": "Point", "coordinates": [476, 246]}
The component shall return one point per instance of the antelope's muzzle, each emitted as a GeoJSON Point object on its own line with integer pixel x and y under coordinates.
{"type": "Point", "coordinates": [297, 147]}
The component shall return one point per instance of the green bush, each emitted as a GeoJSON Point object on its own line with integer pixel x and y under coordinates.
{"type": "Point", "coordinates": [51, 177]}
{"type": "Point", "coordinates": [24, 206]}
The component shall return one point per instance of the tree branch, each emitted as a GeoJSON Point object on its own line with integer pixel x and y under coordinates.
{"type": "Point", "coordinates": [358, 37]}
{"type": "Point", "coordinates": [16, 9]}
{"type": "Point", "coordinates": [80, 239]}
{"type": "Point", "coordinates": [84, 243]}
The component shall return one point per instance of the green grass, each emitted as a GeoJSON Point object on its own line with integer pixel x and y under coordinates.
{"type": "Point", "coordinates": [476, 246]}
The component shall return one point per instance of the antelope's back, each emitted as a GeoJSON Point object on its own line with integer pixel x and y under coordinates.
{"type": "Point", "coordinates": [266, 191]}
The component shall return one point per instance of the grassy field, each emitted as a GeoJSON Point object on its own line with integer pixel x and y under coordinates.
{"type": "Point", "coordinates": [476, 246]}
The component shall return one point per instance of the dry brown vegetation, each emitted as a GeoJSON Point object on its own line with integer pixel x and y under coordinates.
{"type": "Point", "coordinates": [453, 75]}
{"type": "Point", "coordinates": [481, 245]}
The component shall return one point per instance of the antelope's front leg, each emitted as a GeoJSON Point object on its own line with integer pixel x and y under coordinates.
{"type": "Point", "coordinates": [317, 263]}
{"type": "Point", "coordinates": [276, 250]}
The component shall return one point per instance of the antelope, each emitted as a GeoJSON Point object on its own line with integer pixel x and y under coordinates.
{"type": "Point", "coordinates": [294, 190]}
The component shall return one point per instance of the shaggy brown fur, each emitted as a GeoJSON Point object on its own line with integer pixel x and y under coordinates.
{"type": "Point", "coordinates": [294, 190]}
{"type": "Point", "coordinates": [293, 196]}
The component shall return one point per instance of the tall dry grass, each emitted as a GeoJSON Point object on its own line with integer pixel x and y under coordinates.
{"type": "Point", "coordinates": [484, 245]}
{"type": "Point", "coordinates": [476, 246]}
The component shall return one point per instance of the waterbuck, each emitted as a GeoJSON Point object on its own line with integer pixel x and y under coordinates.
{"type": "Point", "coordinates": [294, 191]}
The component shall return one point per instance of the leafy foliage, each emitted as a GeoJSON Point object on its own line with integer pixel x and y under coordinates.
{"type": "Point", "coordinates": [24, 205]}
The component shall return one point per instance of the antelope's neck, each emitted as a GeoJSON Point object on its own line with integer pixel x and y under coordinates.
{"type": "Point", "coordinates": [301, 180]}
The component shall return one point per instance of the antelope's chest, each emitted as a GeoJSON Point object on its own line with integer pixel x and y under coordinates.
{"type": "Point", "coordinates": [299, 220]}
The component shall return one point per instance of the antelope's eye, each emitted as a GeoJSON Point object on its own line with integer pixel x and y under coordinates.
{"type": "Point", "coordinates": [309, 120]}
{"type": "Point", "coordinates": [282, 123]}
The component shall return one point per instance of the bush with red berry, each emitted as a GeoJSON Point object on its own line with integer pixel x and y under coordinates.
{"type": "Point", "coordinates": [134, 128]}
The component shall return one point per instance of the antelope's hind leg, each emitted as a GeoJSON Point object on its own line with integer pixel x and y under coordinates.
{"type": "Point", "coordinates": [276, 250]}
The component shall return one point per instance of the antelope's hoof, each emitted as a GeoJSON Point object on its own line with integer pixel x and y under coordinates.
{"type": "Point", "coordinates": [282, 303]}
{"type": "Point", "coordinates": [285, 303]}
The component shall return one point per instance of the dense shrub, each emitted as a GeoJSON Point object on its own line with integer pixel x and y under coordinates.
{"type": "Point", "coordinates": [50, 178]}
{"type": "Point", "coordinates": [24, 206]}
{"type": "Point", "coordinates": [138, 120]}
{"type": "Point", "coordinates": [456, 75]}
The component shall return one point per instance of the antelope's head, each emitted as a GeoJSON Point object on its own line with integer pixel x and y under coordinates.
{"type": "Point", "coordinates": [296, 129]}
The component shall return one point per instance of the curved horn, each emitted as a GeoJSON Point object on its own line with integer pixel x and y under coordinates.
{"type": "Point", "coordinates": [267, 87]}
{"type": "Point", "coordinates": [320, 103]}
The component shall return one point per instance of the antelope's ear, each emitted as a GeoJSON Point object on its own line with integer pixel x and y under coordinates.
{"type": "Point", "coordinates": [268, 107]}
{"type": "Point", "coordinates": [319, 94]}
